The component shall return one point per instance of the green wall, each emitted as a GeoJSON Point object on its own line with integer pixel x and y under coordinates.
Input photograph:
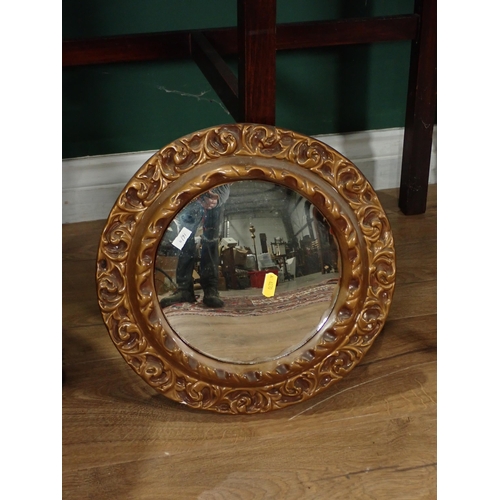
{"type": "Point", "coordinates": [143, 106]}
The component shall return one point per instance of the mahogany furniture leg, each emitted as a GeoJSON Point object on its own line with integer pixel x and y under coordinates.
{"type": "Point", "coordinates": [257, 61]}
{"type": "Point", "coordinates": [420, 113]}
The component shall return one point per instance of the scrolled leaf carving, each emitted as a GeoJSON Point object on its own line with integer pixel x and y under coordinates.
{"type": "Point", "coordinates": [218, 155]}
{"type": "Point", "coordinates": [125, 334]}
{"type": "Point", "coordinates": [177, 158]}
{"type": "Point", "coordinates": [384, 271]}
{"type": "Point", "coordinates": [220, 143]}
{"type": "Point", "coordinates": [264, 141]}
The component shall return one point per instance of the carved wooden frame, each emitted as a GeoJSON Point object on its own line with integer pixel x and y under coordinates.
{"type": "Point", "coordinates": [172, 178]}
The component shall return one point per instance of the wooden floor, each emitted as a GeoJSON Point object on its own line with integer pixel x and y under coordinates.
{"type": "Point", "coordinates": [371, 436]}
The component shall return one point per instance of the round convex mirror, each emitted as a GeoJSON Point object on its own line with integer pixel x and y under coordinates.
{"type": "Point", "coordinates": [213, 260]}
{"type": "Point", "coordinates": [289, 280]}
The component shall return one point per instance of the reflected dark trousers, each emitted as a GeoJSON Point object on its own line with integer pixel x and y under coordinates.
{"type": "Point", "coordinates": [191, 217]}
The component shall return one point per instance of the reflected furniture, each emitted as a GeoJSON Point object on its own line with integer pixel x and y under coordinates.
{"type": "Point", "coordinates": [280, 256]}
{"type": "Point", "coordinates": [233, 263]}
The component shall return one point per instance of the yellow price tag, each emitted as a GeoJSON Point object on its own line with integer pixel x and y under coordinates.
{"type": "Point", "coordinates": [269, 287]}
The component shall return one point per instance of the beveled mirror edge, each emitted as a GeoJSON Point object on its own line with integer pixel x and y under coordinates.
{"type": "Point", "coordinates": [231, 170]}
{"type": "Point", "coordinates": [134, 227]}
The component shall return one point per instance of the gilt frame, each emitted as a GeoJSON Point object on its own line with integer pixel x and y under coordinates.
{"type": "Point", "coordinates": [174, 176]}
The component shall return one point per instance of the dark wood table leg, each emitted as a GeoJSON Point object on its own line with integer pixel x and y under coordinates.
{"type": "Point", "coordinates": [420, 113]}
{"type": "Point", "coordinates": [257, 61]}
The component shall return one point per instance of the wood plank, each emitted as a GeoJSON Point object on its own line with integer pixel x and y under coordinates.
{"type": "Point", "coordinates": [87, 344]}
{"type": "Point", "coordinates": [257, 61]}
{"type": "Point", "coordinates": [372, 435]}
{"type": "Point", "coordinates": [217, 72]}
{"type": "Point", "coordinates": [420, 112]}
{"type": "Point", "coordinates": [80, 307]}
{"type": "Point", "coordinates": [389, 198]}
{"type": "Point", "coordinates": [159, 480]}
{"type": "Point", "coordinates": [404, 335]}
{"type": "Point", "coordinates": [176, 44]}
{"type": "Point", "coordinates": [346, 32]}
{"type": "Point", "coordinates": [81, 240]}
{"type": "Point", "coordinates": [367, 423]}
{"type": "Point", "coordinates": [376, 391]}
{"type": "Point", "coordinates": [423, 300]}
{"type": "Point", "coordinates": [415, 262]}
{"type": "Point", "coordinates": [126, 48]}
{"type": "Point", "coordinates": [329, 33]}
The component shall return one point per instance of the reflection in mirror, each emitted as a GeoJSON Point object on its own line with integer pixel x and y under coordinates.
{"type": "Point", "coordinates": [212, 264]}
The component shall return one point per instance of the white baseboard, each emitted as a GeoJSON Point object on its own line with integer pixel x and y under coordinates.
{"type": "Point", "coordinates": [91, 185]}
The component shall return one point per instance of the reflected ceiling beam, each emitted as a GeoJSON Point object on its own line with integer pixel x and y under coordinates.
{"type": "Point", "coordinates": [268, 208]}
{"type": "Point", "coordinates": [254, 197]}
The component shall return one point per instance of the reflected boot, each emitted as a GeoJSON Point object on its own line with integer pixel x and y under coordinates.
{"type": "Point", "coordinates": [180, 296]}
{"type": "Point", "coordinates": [211, 297]}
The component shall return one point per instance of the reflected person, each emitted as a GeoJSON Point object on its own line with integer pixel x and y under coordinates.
{"type": "Point", "coordinates": [205, 210]}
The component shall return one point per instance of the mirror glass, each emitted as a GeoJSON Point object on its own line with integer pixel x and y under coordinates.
{"type": "Point", "coordinates": [247, 272]}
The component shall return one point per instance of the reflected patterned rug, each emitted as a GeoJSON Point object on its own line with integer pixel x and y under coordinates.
{"type": "Point", "coordinates": [258, 305]}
